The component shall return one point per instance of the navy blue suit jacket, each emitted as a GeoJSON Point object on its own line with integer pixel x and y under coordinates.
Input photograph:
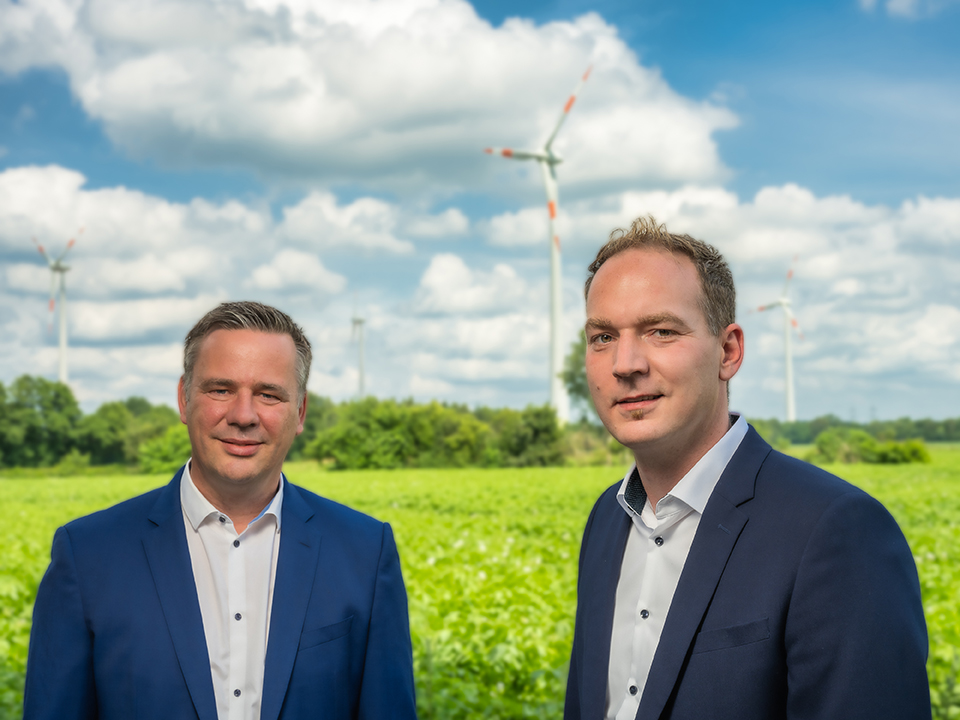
{"type": "Point", "coordinates": [117, 632]}
{"type": "Point", "coordinates": [799, 599]}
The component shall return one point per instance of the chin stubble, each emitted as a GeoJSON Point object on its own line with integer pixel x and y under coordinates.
{"type": "Point", "coordinates": [636, 414]}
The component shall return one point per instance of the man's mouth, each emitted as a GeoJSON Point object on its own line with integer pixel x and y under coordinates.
{"type": "Point", "coordinates": [240, 447]}
{"type": "Point", "coordinates": [637, 400]}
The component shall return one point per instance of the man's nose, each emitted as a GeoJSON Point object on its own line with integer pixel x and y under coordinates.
{"type": "Point", "coordinates": [630, 357]}
{"type": "Point", "coordinates": [243, 411]}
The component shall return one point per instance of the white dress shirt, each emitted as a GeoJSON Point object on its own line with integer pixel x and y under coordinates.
{"type": "Point", "coordinates": [657, 548]}
{"type": "Point", "coordinates": [234, 576]}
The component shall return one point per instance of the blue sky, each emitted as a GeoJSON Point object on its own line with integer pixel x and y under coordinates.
{"type": "Point", "coordinates": [326, 157]}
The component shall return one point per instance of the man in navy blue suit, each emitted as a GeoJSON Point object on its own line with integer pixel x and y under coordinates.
{"type": "Point", "coordinates": [228, 594]}
{"type": "Point", "coordinates": [721, 579]}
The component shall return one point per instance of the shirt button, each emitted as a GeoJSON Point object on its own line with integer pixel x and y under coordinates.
{"type": "Point", "coordinates": [237, 616]}
{"type": "Point", "coordinates": [236, 693]}
{"type": "Point", "coordinates": [223, 520]}
{"type": "Point", "coordinates": [633, 690]}
{"type": "Point", "coordinates": [659, 541]}
{"type": "Point", "coordinates": [236, 543]}
{"type": "Point", "coordinates": [644, 614]}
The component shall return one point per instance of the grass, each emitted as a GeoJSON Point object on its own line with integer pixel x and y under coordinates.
{"type": "Point", "coordinates": [490, 559]}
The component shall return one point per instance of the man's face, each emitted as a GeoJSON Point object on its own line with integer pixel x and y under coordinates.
{"type": "Point", "coordinates": [655, 371]}
{"type": "Point", "coordinates": [242, 413]}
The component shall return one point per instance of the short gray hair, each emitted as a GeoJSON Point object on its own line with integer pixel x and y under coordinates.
{"type": "Point", "coordinates": [248, 315]}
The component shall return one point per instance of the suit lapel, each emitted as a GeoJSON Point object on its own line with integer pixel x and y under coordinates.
{"type": "Point", "coordinates": [165, 544]}
{"type": "Point", "coordinates": [296, 570]}
{"type": "Point", "coordinates": [602, 574]}
{"type": "Point", "coordinates": [720, 527]}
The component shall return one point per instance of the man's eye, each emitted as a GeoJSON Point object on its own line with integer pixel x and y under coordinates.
{"type": "Point", "coordinates": [663, 332]}
{"type": "Point", "coordinates": [602, 338]}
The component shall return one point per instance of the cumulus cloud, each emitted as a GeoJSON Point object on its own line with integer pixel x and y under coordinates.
{"type": "Point", "coordinates": [367, 223]}
{"type": "Point", "coordinates": [910, 9]}
{"type": "Point", "coordinates": [449, 286]}
{"type": "Point", "coordinates": [444, 225]}
{"type": "Point", "coordinates": [394, 94]}
{"type": "Point", "coordinates": [293, 269]}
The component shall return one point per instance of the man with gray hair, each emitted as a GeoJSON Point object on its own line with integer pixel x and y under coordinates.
{"type": "Point", "coordinates": [189, 602]}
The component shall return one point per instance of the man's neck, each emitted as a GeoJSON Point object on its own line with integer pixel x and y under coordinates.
{"type": "Point", "coordinates": [242, 504]}
{"type": "Point", "coordinates": [662, 467]}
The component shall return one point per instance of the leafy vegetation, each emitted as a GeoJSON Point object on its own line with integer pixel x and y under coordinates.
{"type": "Point", "coordinates": [490, 562]}
{"type": "Point", "coordinates": [849, 445]}
{"type": "Point", "coordinates": [386, 434]}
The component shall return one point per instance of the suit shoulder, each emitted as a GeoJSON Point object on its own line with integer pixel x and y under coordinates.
{"type": "Point", "coordinates": [799, 484]}
{"type": "Point", "coordinates": [116, 517]}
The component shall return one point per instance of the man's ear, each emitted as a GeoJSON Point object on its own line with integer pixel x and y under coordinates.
{"type": "Point", "coordinates": [182, 400]}
{"type": "Point", "coordinates": [303, 413]}
{"type": "Point", "coordinates": [731, 343]}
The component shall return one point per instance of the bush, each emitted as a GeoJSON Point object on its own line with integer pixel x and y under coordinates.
{"type": "Point", "coordinates": [166, 453]}
{"type": "Point", "coordinates": [372, 433]}
{"type": "Point", "coordinates": [848, 445]}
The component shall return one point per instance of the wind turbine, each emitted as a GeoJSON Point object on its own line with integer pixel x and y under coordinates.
{"type": "Point", "coordinates": [357, 333]}
{"type": "Point", "coordinates": [789, 324]}
{"type": "Point", "coordinates": [548, 162]}
{"type": "Point", "coordinates": [58, 267]}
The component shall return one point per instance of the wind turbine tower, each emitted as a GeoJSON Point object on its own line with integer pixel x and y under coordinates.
{"type": "Point", "coordinates": [58, 275]}
{"type": "Point", "coordinates": [357, 334]}
{"type": "Point", "coordinates": [789, 326]}
{"type": "Point", "coordinates": [548, 162]}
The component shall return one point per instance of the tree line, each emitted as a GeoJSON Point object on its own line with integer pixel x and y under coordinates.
{"type": "Point", "coordinates": [42, 425]}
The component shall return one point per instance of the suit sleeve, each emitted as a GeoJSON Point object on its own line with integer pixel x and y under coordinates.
{"type": "Point", "coordinates": [856, 641]}
{"type": "Point", "coordinates": [387, 687]}
{"type": "Point", "coordinates": [60, 684]}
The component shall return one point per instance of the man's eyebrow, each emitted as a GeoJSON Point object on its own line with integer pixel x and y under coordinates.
{"type": "Point", "coordinates": [598, 323]}
{"type": "Point", "coordinates": [663, 318]}
{"type": "Point", "coordinates": [217, 382]}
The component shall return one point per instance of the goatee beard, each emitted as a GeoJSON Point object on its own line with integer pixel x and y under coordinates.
{"type": "Point", "coordinates": [636, 414]}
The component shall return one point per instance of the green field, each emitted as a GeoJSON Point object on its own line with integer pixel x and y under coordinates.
{"type": "Point", "coordinates": [490, 561]}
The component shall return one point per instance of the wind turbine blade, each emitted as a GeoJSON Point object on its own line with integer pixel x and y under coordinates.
{"type": "Point", "coordinates": [42, 251]}
{"type": "Point", "coordinates": [786, 284]}
{"type": "Point", "coordinates": [566, 109]}
{"type": "Point", "coordinates": [70, 244]}
{"type": "Point", "coordinates": [515, 154]}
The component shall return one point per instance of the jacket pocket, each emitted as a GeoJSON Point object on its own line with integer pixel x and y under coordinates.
{"type": "Point", "coordinates": [729, 637]}
{"type": "Point", "coordinates": [311, 638]}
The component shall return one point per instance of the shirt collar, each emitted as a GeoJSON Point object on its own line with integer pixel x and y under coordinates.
{"type": "Point", "coordinates": [197, 508]}
{"type": "Point", "coordinates": [695, 488]}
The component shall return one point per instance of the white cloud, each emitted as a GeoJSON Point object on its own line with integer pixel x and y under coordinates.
{"type": "Point", "coordinates": [449, 223]}
{"type": "Point", "coordinates": [135, 319]}
{"type": "Point", "coordinates": [449, 286]}
{"type": "Point", "coordinates": [292, 268]}
{"type": "Point", "coordinates": [429, 387]}
{"type": "Point", "coordinates": [367, 224]}
{"type": "Point", "coordinates": [528, 226]}
{"type": "Point", "coordinates": [394, 94]}
{"type": "Point", "coordinates": [909, 9]}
